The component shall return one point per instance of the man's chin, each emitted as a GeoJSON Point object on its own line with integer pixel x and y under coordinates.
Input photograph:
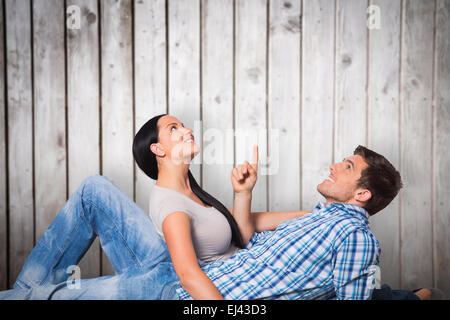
{"type": "Point", "coordinates": [324, 191]}
{"type": "Point", "coordinates": [321, 189]}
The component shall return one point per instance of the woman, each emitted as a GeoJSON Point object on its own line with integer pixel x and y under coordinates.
{"type": "Point", "coordinates": [163, 149]}
{"type": "Point", "coordinates": [178, 205]}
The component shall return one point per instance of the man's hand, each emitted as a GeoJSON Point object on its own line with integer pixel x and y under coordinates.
{"type": "Point", "coordinates": [243, 177]}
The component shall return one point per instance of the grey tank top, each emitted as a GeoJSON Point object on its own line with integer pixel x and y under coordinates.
{"type": "Point", "coordinates": [211, 232]}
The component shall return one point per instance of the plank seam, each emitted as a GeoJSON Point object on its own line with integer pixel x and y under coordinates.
{"type": "Point", "coordinates": [8, 260]}
{"type": "Point", "coordinates": [33, 149]}
{"type": "Point", "coordinates": [434, 80]}
{"type": "Point", "coordinates": [100, 135]}
{"type": "Point", "coordinates": [266, 96]}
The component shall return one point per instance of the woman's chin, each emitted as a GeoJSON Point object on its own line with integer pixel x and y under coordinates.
{"type": "Point", "coordinates": [192, 152]}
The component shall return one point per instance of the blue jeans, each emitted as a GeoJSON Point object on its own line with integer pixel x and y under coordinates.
{"type": "Point", "coordinates": [139, 256]}
{"type": "Point", "coordinates": [386, 293]}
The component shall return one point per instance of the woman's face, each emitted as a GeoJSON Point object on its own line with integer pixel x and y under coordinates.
{"type": "Point", "coordinates": [176, 143]}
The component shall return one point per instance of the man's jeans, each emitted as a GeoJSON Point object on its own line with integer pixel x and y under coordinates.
{"type": "Point", "coordinates": [139, 256]}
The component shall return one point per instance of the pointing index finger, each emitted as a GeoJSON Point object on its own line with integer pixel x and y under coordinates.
{"type": "Point", "coordinates": [255, 156]}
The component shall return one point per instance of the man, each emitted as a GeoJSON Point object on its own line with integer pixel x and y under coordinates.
{"type": "Point", "coordinates": [329, 253]}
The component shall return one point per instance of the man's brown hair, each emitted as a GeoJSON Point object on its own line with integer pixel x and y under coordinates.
{"type": "Point", "coordinates": [380, 178]}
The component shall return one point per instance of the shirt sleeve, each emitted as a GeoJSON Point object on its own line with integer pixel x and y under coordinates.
{"type": "Point", "coordinates": [355, 263]}
{"type": "Point", "coordinates": [166, 207]}
{"type": "Point", "coordinates": [257, 236]}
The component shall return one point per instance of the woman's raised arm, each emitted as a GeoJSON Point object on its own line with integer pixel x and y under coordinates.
{"type": "Point", "coordinates": [243, 179]}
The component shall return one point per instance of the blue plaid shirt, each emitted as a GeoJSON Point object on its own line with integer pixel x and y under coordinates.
{"type": "Point", "coordinates": [327, 254]}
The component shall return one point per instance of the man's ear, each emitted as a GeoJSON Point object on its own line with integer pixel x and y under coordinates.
{"type": "Point", "coordinates": [157, 149]}
{"type": "Point", "coordinates": [363, 195]}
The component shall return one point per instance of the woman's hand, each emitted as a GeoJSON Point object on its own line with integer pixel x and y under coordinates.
{"type": "Point", "coordinates": [244, 176]}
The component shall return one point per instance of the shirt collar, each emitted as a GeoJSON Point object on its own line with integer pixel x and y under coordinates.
{"type": "Point", "coordinates": [353, 209]}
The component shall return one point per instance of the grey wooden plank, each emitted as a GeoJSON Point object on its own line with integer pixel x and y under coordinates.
{"type": "Point", "coordinates": [383, 125]}
{"type": "Point", "coordinates": [441, 152]}
{"type": "Point", "coordinates": [20, 134]}
{"type": "Point", "coordinates": [317, 98]}
{"type": "Point", "coordinates": [83, 110]}
{"type": "Point", "coordinates": [217, 99]}
{"type": "Point", "coordinates": [250, 90]}
{"type": "Point", "coordinates": [416, 140]}
{"type": "Point", "coordinates": [149, 77]}
{"type": "Point", "coordinates": [184, 69]}
{"type": "Point", "coordinates": [284, 104]}
{"type": "Point", "coordinates": [117, 98]}
{"type": "Point", "coordinates": [351, 65]}
{"type": "Point", "coordinates": [49, 112]}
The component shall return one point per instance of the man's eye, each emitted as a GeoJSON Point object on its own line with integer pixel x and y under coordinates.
{"type": "Point", "coordinates": [172, 127]}
{"type": "Point", "coordinates": [348, 167]}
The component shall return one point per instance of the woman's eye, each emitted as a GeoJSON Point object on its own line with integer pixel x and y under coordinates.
{"type": "Point", "coordinates": [173, 127]}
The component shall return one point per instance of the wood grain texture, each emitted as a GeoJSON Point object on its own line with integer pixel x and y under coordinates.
{"type": "Point", "coordinates": [416, 141]}
{"type": "Point", "coordinates": [317, 98]}
{"type": "Point", "coordinates": [117, 98]}
{"type": "Point", "coordinates": [217, 99]}
{"type": "Point", "coordinates": [149, 77]}
{"type": "Point", "coordinates": [284, 104]}
{"type": "Point", "coordinates": [184, 69]}
{"type": "Point", "coordinates": [83, 112]}
{"type": "Point", "coordinates": [250, 90]}
{"type": "Point", "coordinates": [20, 134]}
{"type": "Point", "coordinates": [3, 167]}
{"type": "Point", "coordinates": [383, 125]}
{"type": "Point", "coordinates": [49, 112]}
{"type": "Point", "coordinates": [351, 73]}
{"type": "Point", "coordinates": [441, 153]}
{"type": "Point", "coordinates": [310, 69]}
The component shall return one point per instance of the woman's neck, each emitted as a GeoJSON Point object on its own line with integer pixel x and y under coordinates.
{"type": "Point", "coordinates": [174, 177]}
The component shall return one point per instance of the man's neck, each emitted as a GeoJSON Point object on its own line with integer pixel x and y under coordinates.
{"type": "Point", "coordinates": [329, 201]}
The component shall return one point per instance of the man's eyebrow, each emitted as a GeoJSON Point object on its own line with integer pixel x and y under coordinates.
{"type": "Point", "coordinates": [351, 162]}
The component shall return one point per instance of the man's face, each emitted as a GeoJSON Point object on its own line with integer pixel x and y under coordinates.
{"type": "Point", "coordinates": [340, 186]}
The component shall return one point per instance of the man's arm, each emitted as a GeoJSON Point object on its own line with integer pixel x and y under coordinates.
{"type": "Point", "coordinates": [354, 266]}
{"type": "Point", "coordinates": [269, 220]}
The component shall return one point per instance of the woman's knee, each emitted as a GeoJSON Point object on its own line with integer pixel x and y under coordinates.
{"type": "Point", "coordinates": [95, 179]}
{"type": "Point", "coordinates": [95, 186]}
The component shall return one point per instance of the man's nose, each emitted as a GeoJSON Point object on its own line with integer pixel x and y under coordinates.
{"type": "Point", "coordinates": [333, 167]}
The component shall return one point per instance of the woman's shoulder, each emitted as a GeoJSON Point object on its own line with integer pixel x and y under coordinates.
{"type": "Point", "coordinates": [164, 201]}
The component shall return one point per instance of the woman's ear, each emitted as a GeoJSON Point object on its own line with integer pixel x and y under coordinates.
{"type": "Point", "coordinates": [157, 149]}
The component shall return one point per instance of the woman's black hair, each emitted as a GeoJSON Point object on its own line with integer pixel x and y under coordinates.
{"type": "Point", "coordinates": [146, 161]}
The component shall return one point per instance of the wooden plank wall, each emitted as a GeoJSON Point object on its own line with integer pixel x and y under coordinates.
{"type": "Point", "coordinates": [308, 80]}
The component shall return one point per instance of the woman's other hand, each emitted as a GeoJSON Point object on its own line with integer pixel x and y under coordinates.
{"type": "Point", "coordinates": [244, 176]}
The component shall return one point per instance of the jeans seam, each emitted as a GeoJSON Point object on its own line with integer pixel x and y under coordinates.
{"type": "Point", "coordinates": [61, 251]}
{"type": "Point", "coordinates": [133, 255]}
